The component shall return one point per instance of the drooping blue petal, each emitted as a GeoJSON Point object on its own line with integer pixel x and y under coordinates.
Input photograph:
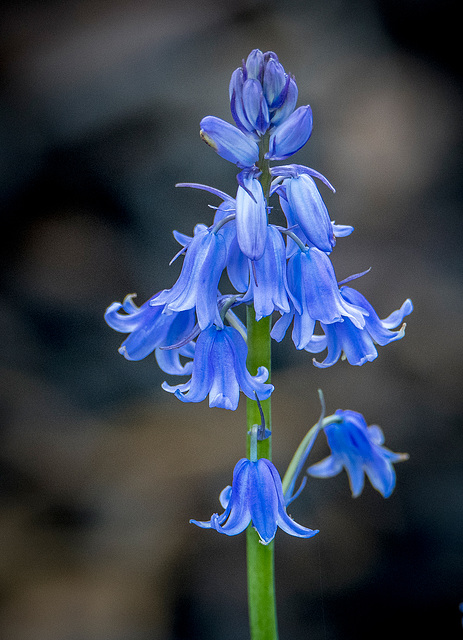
{"type": "Point", "coordinates": [309, 211]}
{"type": "Point", "coordinates": [288, 106]}
{"type": "Point", "coordinates": [236, 101]}
{"type": "Point", "coordinates": [268, 288]}
{"type": "Point", "coordinates": [379, 330]}
{"type": "Point", "coordinates": [255, 497]}
{"type": "Point", "coordinates": [275, 84]}
{"type": "Point", "coordinates": [291, 134]}
{"type": "Point", "coordinates": [169, 360]}
{"type": "Point", "coordinates": [312, 283]}
{"type": "Point", "coordinates": [197, 284]}
{"type": "Point", "coordinates": [199, 385]}
{"type": "Point", "coordinates": [219, 370]}
{"type": "Point", "coordinates": [229, 142]}
{"type": "Point", "coordinates": [251, 217]}
{"type": "Point", "coordinates": [355, 447]}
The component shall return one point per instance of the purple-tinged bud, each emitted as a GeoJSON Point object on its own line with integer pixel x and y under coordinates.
{"type": "Point", "coordinates": [251, 217]}
{"type": "Point", "coordinates": [255, 64]}
{"type": "Point", "coordinates": [291, 135]}
{"type": "Point", "coordinates": [288, 106]}
{"type": "Point", "coordinates": [236, 101]}
{"type": "Point", "coordinates": [255, 106]}
{"type": "Point", "coordinates": [275, 80]}
{"type": "Point", "coordinates": [309, 212]}
{"type": "Point", "coordinates": [229, 142]}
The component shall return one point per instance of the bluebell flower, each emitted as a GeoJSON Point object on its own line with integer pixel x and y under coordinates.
{"type": "Point", "coordinates": [251, 215]}
{"type": "Point", "coordinates": [196, 287]}
{"type": "Point", "coordinates": [268, 287]}
{"type": "Point", "coordinates": [229, 142]}
{"type": "Point", "coordinates": [219, 370]}
{"type": "Point", "coordinates": [262, 94]}
{"type": "Point", "coordinates": [315, 296]}
{"type": "Point", "coordinates": [256, 497]}
{"type": "Point", "coordinates": [303, 205]}
{"type": "Point", "coordinates": [291, 135]}
{"type": "Point", "coordinates": [151, 330]}
{"type": "Point", "coordinates": [358, 449]}
{"type": "Point", "coordinates": [357, 344]}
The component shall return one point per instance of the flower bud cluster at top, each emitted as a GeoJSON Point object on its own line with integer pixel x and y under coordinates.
{"type": "Point", "coordinates": [273, 268]}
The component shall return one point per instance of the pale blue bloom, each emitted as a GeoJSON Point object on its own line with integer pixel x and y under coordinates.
{"type": "Point", "coordinates": [229, 142]}
{"type": "Point", "coordinates": [151, 330]}
{"type": "Point", "coordinates": [256, 497]}
{"type": "Point", "coordinates": [357, 343]}
{"type": "Point", "coordinates": [316, 296]}
{"type": "Point", "coordinates": [219, 370]}
{"type": "Point", "coordinates": [196, 287]}
{"type": "Point", "coordinates": [291, 135]}
{"type": "Point", "coordinates": [358, 449]}
{"type": "Point", "coordinates": [251, 215]}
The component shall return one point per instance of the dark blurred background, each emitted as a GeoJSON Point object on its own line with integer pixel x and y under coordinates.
{"type": "Point", "coordinates": [100, 470]}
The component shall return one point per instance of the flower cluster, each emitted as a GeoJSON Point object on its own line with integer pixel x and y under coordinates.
{"type": "Point", "coordinates": [271, 267]}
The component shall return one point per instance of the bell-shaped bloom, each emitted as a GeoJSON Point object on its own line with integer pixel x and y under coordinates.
{"type": "Point", "coordinates": [262, 94]}
{"type": "Point", "coordinates": [275, 83]}
{"type": "Point", "coordinates": [229, 142]}
{"type": "Point", "coordinates": [282, 113]}
{"type": "Point", "coordinates": [268, 287]}
{"type": "Point", "coordinates": [356, 344]}
{"type": "Point", "coordinates": [316, 296]}
{"type": "Point", "coordinates": [358, 449]}
{"type": "Point", "coordinates": [251, 216]}
{"type": "Point", "coordinates": [151, 330]}
{"type": "Point", "coordinates": [196, 287]}
{"type": "Point", "coordinates": [219, 370]}
{"type": "Point", "coordinates": [304, 206]}
{"type": "Point", "coordinates": [256, 496]}
{"type": "Point", "coordinates": [291, 134]}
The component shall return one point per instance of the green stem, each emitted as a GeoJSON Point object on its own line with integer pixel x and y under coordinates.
{"type": "Point", "coordinates": [260, 557]}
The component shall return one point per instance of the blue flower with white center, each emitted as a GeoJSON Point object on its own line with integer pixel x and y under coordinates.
{"type": "Point", "coordinates": [151, 330]}
{"type": "Point", "coordinates": [219, 370]}
{"type": "Point", "coordinates": [255, 496]}
{"type": "Point", "coordinates": [316, 296]}
{"type": "Point", "coordinates": [196, 287]}
{"type": "Point", "coordinates": [358, 449]}
{"type": "Point", "coordinates": [356, 344]}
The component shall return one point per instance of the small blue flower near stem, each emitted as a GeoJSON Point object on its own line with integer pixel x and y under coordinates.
{"type": "Point", "coordinates": [358, 449]}
{"type": "Point", "coordinates": [256, 496]}
{"type": "Point", "coordinates": [356, 343]}
{"type": "Point", "coordinates": [219, 370]}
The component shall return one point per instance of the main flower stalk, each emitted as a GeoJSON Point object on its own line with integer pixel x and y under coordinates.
{"type": "Point", "coordinates": [260, 557]}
